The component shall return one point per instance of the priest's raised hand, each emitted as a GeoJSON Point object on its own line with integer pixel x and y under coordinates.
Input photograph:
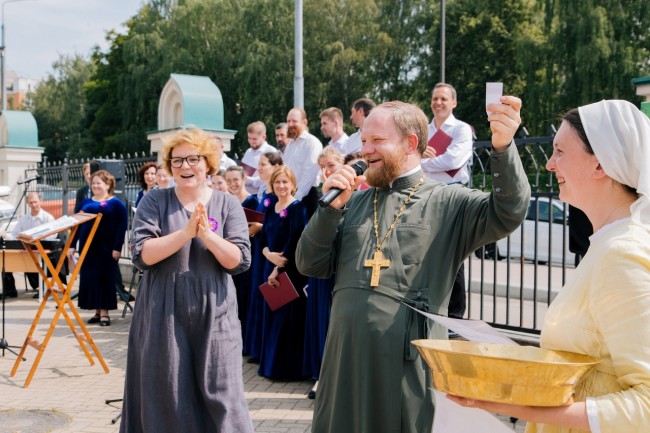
{"type": "Point", "coordinates": [504, 121]}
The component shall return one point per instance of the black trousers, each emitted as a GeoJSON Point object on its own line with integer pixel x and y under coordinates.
{"type": "Point", "coordinates": [458, 299]}
{"type": "Point", "coordinates": [9, 282]}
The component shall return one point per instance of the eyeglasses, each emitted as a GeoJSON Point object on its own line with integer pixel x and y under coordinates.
{"type": "Point", "coordinates": [191, 160]}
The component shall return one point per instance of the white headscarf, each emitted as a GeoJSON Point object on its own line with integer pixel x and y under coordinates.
{"type": "Point", "coordinates": [619, 134]}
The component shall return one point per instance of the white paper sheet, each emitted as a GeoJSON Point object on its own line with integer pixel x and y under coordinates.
{"type": "Point", "coordinates": [472, 330]}
{"type": "Point", "coordinates": [454, 418]}
{"type": "Point", "coordinates": [493, 94]}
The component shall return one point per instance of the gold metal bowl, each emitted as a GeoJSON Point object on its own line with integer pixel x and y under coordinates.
{"type": "Point", "coordinates": [523, 375]}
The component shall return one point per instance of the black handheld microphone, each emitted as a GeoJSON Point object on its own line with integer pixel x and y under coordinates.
{"type": "Point", "coordinates": [29, 179]}
{"type": "Point", "coordinates": [327, 198]}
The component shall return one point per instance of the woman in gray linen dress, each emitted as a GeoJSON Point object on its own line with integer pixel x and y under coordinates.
{"type": "Point", "coordinates": [184, 362]}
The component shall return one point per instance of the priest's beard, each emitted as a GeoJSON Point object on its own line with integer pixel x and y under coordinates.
{"type": "Point", "coordinates": [293, 132]}
{"type": "Point", "coordinates": [382, 177]}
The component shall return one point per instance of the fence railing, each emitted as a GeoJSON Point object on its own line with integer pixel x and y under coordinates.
{"type": "Point", "coordinates": [510, 283]}
{"type": "Point", "coordinates": [60, 181]}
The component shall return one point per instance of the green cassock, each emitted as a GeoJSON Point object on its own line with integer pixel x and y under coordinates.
{"type": "Point", "coordinates": [372, 379]}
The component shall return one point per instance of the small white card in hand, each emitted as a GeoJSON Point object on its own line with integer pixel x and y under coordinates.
{"type": "Point", "coordinates": [493, 94]}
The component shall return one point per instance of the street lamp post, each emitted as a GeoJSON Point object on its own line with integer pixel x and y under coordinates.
{"type": "Point", "coordinates": [2, 55]}
{"type": "Point", "coordinates": [298, 79]}
{"type": "Point", "coordinates": [442, 41]}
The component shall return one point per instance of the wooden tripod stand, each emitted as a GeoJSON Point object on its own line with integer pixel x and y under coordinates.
{"type": "Point", "coordinates": [59, 291]}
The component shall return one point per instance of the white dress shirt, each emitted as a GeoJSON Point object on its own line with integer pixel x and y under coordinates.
{"type": "Point", "coordinates": [354, 144]}
{"type": "Point", "coordinates": [341, 144]}
{"type": "Point", "coordinates": [28, 221]}
{"type": "Point", "coordinates": [458, 154]}
{"type": "Point", "coordinates": [226, 162]}
{"type": "Point", "coordinates": [301, 156]}
{"type": "Point", "coordinates": [252, 157]}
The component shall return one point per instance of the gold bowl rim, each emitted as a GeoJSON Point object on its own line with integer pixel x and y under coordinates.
{"type": "Point", "coordinates": [581, 359]}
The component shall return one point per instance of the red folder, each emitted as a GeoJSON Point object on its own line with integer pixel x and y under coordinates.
{"type": "Point", "coordinates": [248, 169]}
{"type": "Point", "coordinates": [253, 216]}
{"type": "Point", "coordinates": [280, 296]}
{"type": "Point", "coordinates": [440, 142]}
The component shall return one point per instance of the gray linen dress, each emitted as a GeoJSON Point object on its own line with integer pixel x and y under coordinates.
{"type": "Point", "coordinates": [184, 363]}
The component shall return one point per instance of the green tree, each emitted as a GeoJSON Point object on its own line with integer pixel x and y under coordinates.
{"type": "Point", "coordinates": [600, 46]}
{"type": "Point", "coordinates": [60, 108]}
{"type": "Point", "coordinates": [341, 40]}
{"type": "Point", "coordinates": [487, 41]}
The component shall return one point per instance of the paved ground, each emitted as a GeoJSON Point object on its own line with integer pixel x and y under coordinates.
{"type": "Point", "coordinates": [67, 394]}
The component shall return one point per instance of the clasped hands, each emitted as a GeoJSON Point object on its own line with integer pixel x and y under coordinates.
{"type": "Point", "coordinates": [198, 225]}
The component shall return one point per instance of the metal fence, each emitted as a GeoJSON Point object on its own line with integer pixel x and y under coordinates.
{"type": "Point", "coordinates": [59, 182]}
{"type": "Point", "coordinates": [510, 283]}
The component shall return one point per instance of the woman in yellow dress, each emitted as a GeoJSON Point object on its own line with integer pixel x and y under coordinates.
{"type": "Point", "coordinates": [601, 158]}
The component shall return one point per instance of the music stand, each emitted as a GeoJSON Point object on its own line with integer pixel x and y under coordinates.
{"type": "Point", "coordinates": [61, 293]}
{"type": "Point", "coordinates": [4, 344]}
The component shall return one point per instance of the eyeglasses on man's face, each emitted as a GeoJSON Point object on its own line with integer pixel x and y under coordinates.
{"type": "Point", "coordinates": [192, 160]}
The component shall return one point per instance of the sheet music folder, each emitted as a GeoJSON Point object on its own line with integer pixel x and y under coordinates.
{"type": "Point", "coordinates": [48, 229]}
{"type": "Point", "coordinates": [253, 216]}
{"type": "Point", "coordinates": [440, 142]}
{"type": "Point", "coordinates": [277, 297]}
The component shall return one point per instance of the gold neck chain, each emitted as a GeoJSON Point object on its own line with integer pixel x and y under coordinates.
{"type": "Point", "coordinates": [397, 216]}
{"type": "Point", "coordinates": [378, 261]}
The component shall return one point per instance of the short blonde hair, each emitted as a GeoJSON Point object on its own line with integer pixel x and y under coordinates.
{"type": "Point", "coordinates": [408, 119]}
{"type": "Point", "coordinates": [333, 152]}
{"type": "Point", "coordinates": [200, 140]}
{"type": "Point", "coordinates": [333, 114]}
{"type": "Point", "coordinates": [283, 169]}
{"type": "Point", "coordinates": [258, 127]}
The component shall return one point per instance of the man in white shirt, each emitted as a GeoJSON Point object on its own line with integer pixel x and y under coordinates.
{"type": "Point", "coordinates": [451, 166]}
{"type": "Point", "coordinates": [301, 156]}
{"type": "Point", "coordinates": [458, 155]}
{"type": "Point", "coordinates": [358, 113]}
{"type": "Point", "coordinates": [35, 217]}
{"type": "Point", "coordinates": [258, 146]}
{"type": "Point", "coordinates": [331, 125]}
{"type": "Point", "coordinates": [225, 162]}
{"type": "Point", "coordinates": [281, 138]}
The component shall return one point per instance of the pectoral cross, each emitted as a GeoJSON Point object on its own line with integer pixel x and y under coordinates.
{"type": "Point", "coordinates": [376, 264]}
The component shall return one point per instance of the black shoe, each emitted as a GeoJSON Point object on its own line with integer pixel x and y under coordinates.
{"type": "Point", "coordinates": [312, 392]}
{"type": "Point", "coordinates": [124, 295]}
{"type": "Point", "coordinates": [94, 319]}
{"type": "Point", "coordinates": [11, 294]}
{"type": "Point", "coordinates": [104, 321]}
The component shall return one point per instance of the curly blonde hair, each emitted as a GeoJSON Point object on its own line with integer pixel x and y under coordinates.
{"type": "Point", "coordinates": [204, 144]}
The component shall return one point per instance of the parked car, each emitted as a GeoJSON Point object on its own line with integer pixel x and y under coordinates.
{"type": "Point", "coordinates": [6, 211]}
{"type": "Point", "coordinates": [550, 216]}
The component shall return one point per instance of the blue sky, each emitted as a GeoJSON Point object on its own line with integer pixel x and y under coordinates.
{"type": "Point", "coordinates": [37, 32]}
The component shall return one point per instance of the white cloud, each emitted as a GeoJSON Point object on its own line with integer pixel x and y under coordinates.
{"type": "Point", "coordinates": [38, 31]}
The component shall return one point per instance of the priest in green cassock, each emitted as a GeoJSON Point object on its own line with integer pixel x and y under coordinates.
{"type": "Point", "coordinates": [399, 242]}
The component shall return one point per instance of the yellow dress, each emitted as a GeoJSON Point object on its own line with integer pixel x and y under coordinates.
{"type": "Point", "coordinates": [604, 311]}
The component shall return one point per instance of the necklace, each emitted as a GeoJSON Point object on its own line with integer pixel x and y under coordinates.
{"type": "Point", "coordinates": [378, 261]}
{"type": "Point", "coordinates": [606, 220]}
